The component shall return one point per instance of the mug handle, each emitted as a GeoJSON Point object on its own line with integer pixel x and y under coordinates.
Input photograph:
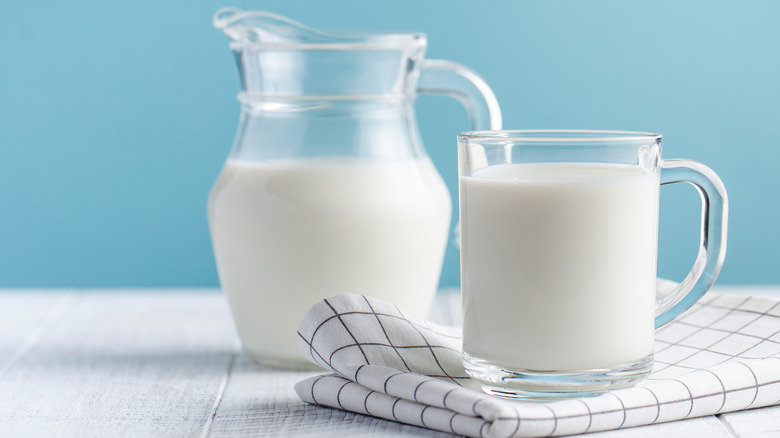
{"type": "Point", "coordinates": [712, 249]}
{"type": "Point", "coordinates": [460, 82]}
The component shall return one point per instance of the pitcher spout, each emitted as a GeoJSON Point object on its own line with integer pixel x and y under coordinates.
{"type": "Point", "coordinates": [265, 27]}
{"type": "Point", "coordinates": [280, 57]}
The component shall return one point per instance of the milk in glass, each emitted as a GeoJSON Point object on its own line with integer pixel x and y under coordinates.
{"type": "Point", "coordinates": [559, 264]}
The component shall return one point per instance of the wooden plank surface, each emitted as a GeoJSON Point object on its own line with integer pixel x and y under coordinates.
{"type": "Point", "coordinates": [151, 363]}
{"type": "Point", "coordinates": [25, 317]}
{"type": "Point", "coordinates": [260, 402]}
{"type": "Point", "coordinates": [122, 363]}
{"type": "Point", "coordinates": [755, 423]}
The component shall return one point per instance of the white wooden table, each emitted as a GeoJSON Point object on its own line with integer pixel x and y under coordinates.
{"type": "Point", "coordinates": [167, 363]}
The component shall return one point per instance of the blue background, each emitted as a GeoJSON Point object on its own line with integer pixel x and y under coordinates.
{"type": "Point", "coordinates": [115, 117]}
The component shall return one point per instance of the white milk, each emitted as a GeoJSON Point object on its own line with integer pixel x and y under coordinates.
{"type": "Point", "coordinates": [289, 234]}
{"type": "Point", "coordinates": [559, 264]}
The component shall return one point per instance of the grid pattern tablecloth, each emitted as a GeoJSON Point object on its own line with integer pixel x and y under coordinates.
{"type": "Point", "coordinates": [721, 355]}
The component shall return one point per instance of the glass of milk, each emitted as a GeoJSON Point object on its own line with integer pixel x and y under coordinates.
{"type": "Point", "coordinates": [328, 188]}
{"type": "Point", "coordinates": [559, 234]}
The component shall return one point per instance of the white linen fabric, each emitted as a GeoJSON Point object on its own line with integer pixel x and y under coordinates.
{"type": "Point", "coordinates": [721, 355]}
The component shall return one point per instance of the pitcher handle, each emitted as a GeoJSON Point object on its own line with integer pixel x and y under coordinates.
{"type": "Point", "coordinates": [712, 249]}
{"type": "Point", "coordinates": [460, 82]}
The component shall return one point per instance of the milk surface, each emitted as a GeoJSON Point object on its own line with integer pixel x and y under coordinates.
{"type": "Point", "coordinates": [558, 264]}
{"type": "Point", "coordinates": [289, 234]}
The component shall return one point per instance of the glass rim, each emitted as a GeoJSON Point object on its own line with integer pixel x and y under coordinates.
{"type": "Point", "coordinates": [358, 41]}
{"type": "Point", "coordinates": [556, 136]}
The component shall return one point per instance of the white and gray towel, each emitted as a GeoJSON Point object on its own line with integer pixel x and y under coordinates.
{"type": "Point", "coordinates": [721, 355]}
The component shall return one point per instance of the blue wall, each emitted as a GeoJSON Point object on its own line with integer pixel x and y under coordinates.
{"type": "Point", "coordinates": [115, 117]}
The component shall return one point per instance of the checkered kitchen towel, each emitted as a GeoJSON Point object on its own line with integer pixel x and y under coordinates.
{"type": "Point", "coordinates": [721, 355]}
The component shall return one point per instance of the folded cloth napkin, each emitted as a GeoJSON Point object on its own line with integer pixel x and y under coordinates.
{"type": "Point", "coordinates": [721, 355]}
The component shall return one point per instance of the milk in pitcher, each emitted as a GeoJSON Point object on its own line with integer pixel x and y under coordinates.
{"type": "Point", "coordinates": [287, 234]}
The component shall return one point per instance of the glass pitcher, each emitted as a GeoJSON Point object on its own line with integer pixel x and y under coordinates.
{"type": "Point", "coordinates": [328, 188]}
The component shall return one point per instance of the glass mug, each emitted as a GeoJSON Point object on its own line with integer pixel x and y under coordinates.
{"type": "Point", "coordinates": [559, 233]}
